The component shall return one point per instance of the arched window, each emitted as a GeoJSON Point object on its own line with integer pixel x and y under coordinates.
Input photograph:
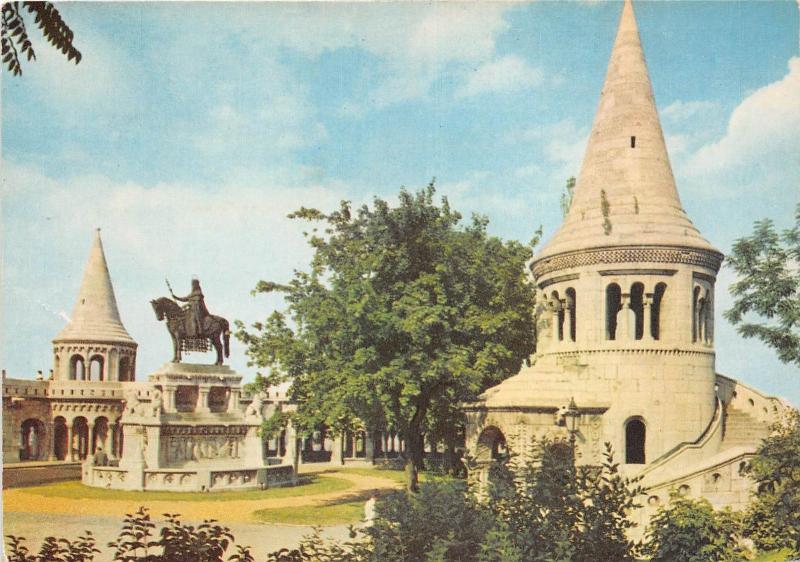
{"type": "Point", "coordinates": [96, 368]}
{"type": "Point", "coordinates": [558, 316]}
{"type": "Point", "coordinates": [657, 311]}
{"type": "Point", "coordinates": [613, 303]}
{"type": "Point", "coordinates": [60, 445]}
{"type": "Point", "coordinates": [491, 445]}
{"type": "Point", "coordinates": [77, 369]}
{"type": "Point", "coordinates": [708, 317]}
{"type": "Point", "coordinates": [572, 314]}
{"type": "Point", "coordinates": [637, 306]}
{"type": "Point", "coordinates": [33, 440]}
{"type": "Point", "coordinates": [124, 369]}
{"type": "Point", "coordinates": [634, 441]}
{"type": "Point", "coordinates": [695, 314]}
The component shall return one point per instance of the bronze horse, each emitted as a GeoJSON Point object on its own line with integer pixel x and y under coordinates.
{"type": "Point", "coordinates": [213, 327]}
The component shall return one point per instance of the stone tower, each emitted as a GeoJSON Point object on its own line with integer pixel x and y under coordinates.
{"type": "Point", "coordinates": [94, 345]}
{"type": "Point", "coordinates": [629, 280]}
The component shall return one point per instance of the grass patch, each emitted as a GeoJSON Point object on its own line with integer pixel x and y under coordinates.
{"type": "Point", "coordinates": [395, 475]}
{"type": "Point", "coordinates": [773, 556]}
{"type": "Point", "coordinates": [312, 515]}
{"type": "Point", "coordinates": [313, 485]}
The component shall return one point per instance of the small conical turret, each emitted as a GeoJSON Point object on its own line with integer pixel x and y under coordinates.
{"type": "Point", "coordinates": [625, 193]}
{"type": "Point", "coordinates": [95, 316]}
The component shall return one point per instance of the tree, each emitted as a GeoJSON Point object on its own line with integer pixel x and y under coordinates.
{"type": "Point", "coordinates": [549, 509]}
{"type": "Point", "coordinates": [776, 470]}
{"type": "Point", "coordinates": [402, 308]}
{"type": "Point", "coordinates": [768, 287]}
{"type": "Point", "coordinates": [14, 34]}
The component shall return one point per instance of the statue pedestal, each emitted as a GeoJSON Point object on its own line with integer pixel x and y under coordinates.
{"type": "Point", "coordinates": [184, 430]}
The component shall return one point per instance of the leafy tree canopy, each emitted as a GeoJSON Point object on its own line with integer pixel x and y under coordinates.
{"type": "Point", "coordinates": [14, 34]}
{"type": "Point", "coordinates": [402, 308]}
{"type": "Point", "coordinates": [767, 292]}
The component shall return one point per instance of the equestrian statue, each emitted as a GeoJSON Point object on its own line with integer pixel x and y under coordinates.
{"type": "Point", "coordinates": [191, 326]}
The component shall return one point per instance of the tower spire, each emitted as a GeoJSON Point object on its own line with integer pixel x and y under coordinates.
{"type": "Point", "coordinates": [95, 316]}
{"type": "Point", "coordinates": [625, 193]}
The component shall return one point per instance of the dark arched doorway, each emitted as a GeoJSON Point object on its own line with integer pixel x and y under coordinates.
{"type": "Point", "coordinates": [635, 442]}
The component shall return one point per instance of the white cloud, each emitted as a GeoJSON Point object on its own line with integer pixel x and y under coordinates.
{"type": "Point", "coordinates": [506, 74]}
{"type": "Point", "coordinates": [683, 111]}
{"type": "Point", "coordinates": [762, 132]}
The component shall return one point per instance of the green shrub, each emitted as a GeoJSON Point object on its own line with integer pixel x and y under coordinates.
{"type": "Point", "coordinates": [690, 530]}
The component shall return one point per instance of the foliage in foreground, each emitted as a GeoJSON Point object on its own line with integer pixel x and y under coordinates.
{"type": "Point", "coordinates": [690, 530]}
{"type": "Point", "coordinates": [14, 33]}
{"type": "Point", "coordinates": [773, 518]}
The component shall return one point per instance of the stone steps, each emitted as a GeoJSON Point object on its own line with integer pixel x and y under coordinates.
{"type": "Point", "coordinates": [742, 429]}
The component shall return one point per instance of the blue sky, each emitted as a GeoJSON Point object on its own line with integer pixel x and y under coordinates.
{"type": "Point", "coordinates": [189, 131]}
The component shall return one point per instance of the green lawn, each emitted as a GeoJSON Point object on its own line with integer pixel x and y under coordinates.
{"type": "Point", "coordinates": [398, 476]}
{"type": "Point", "coordinates": [330, 514]}
{"type": "Point", "coordinates": [773, 556]}
{"type": "Point", "coordinates": [312, 485]}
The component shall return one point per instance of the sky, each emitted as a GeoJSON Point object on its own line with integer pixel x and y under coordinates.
{"type": "Point", "coordinates": [189, 131]}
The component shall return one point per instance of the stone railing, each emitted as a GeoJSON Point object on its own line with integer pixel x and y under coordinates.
{"type": "Point", "coordinates": [189, 479]}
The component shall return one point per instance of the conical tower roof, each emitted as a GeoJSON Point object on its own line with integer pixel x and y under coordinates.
{"type": "Point", "coordinates": [625, 194]}
{"type": "Point", "coordinates": [95, 316]}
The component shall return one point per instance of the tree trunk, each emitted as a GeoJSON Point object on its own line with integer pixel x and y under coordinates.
{"type": "Point", "coordinates": [412, 477]}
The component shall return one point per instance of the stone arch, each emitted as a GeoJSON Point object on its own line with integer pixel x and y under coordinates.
{"type": "Point", "coordinates": [96, 368]}
{"type": "Point", "coordinates": [491, 445]}
{"type": "Point", "coordinates": [657, 310]}
{"type": "Point", "coordinates": [635, 441]}
{"type": "Point", "coordinates": [34, 440]}
{"type": "Point", "coordinates": [101, 434]}
{"type": "Point", "coordinates": [613, 305]}
{"type": "Point", "coordinates": [60, 438]}
{"type": "Point", "coordinates": [77, 368]}
{"type": "Point", "coordinates": [80, 437]}
{"type": "Point", "coordinates": [572, 314]}
{"type": "Point", "coordinates": [116, 438]}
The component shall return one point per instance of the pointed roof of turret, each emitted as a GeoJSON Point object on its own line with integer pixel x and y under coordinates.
{"type": "Point", "coordinates": [95, 316]}
{"type": "Point", "coordinates": [625, 193]}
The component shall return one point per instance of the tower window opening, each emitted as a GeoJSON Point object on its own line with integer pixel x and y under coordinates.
{"type": "Point", "coordinates": [558, 315]}
{"type": "Point", "coordinates": [695, 313]}
{"type": "Point", "coordinates": [572, 314]}
{"type": "Point", "coordinates": [77, 370]}
{"type": "Point", "coordinates": [633, 142]}
{"type": "Point", "coordinates": [637, 306]}
{"type": "Point", "coordinates": [656, 312]}
{"type": "Point", "coordinates": [634, 442]}
{"type": "Point", "coordinates": [613, 303]}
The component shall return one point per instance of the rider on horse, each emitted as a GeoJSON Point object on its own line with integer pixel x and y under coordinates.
{"type": "Point", "coordinates": [196, 308]}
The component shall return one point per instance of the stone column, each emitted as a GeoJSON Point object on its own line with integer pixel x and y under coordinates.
{"type": "Point", "coordinates": [625, 331]}
{"type": "Point", "coordinates": [70, 445]}
{"type": "Point", "coordinates": [336, 451]}
{"type": "Point", "coordinates": [202, 398]}
{"type": "Point", "coordinates": [556, 305]}
{"type": "Point", "coordinates": [647, 306]}
{"type": "Point", "coordinates": [369, 446]}
{"type": "Point", "coordinates": [169, 398]}
{"type": "Point", "coordinates": [233, 399]}
{"type": "Point", "coordinates": [568, 320]}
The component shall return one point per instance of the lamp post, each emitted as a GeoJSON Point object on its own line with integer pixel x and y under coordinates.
{"type": "Point", "coordinates": [571, 417]}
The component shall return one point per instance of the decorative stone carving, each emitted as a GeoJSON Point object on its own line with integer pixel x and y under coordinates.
{"type": "Point", "coordinates": [254, 410]}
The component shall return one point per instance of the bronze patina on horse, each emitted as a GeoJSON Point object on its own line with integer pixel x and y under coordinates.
{"type": "Point", "coordinates": [191, 331]}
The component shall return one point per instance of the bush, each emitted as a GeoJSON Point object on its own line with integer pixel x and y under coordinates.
{"type": "Point", "coordinates": [774, 516]}
{"type": "Point", "coordinates": [138, 542]}
{"type": "Point", "coordinates": [690, 530]}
